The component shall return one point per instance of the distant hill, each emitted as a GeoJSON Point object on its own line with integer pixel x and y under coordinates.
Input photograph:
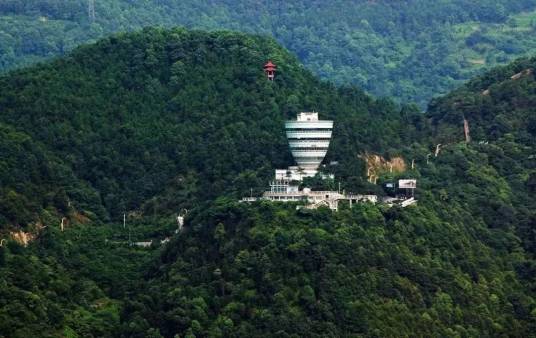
{"type": "Point", "coordinates": [409, 50]}
{"type": "Point", "coordinates": [148, 123]}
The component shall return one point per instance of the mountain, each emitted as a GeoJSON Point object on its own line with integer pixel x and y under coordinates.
{"type": "Point", "coordinates": [461, 263]}
{"type": "Point", "coordinates": [144, 124]}
{"type": "Point", "coordinates": [410, 50]}
{"type": "Point", "coordinates": [499, 108]}
{"type": "Point", "coordinates": [270, 270]}
{"type": "Point", "coordinates": [187, 113]}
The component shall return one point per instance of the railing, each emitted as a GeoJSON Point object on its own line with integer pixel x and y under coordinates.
{"type": "Point", "coordinates": [309, 150]}
{"type": "Point", "coordinates": [284, 193]}
{"type": "Point", "coordinates": [320, 124]}
{"type": "Point", "coordinates": [309, 134]}
{"type": "Point", "coordinates": [309, 143]}
{"type": "Point", "coordinates": [309, 129]}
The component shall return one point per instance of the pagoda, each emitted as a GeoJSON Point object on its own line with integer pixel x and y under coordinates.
{"type": "Point", "coordinates": [269, 70]}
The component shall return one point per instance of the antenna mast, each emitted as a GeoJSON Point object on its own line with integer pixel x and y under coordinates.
{"type": "Point", "coordinates": [91, 10]}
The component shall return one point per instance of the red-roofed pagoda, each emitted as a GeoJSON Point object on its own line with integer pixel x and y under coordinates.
{"type": "Point", "coordinates": [269, 69]}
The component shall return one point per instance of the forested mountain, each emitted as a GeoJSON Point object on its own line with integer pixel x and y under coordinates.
{"type": "Point", "coordinates": [133, 115]}
{"type": "Point", "coordinates": [410, 50]}
{"type": "Point", "coordinates": [459, 264]}
{"type": "Point", "coordinates": [151, 122]}
{"type": "Point", "coordinates": [499, 108]}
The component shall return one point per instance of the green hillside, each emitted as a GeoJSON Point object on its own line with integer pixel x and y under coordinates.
{"type": "Point", "coordinates": [272, 271]}
{"type": "Point", "coordinates": [148, 123]}
{"type": "Point", "coordinates": [499, 107]}
{"type": "Point", "coordinates": [189, 114]}
{"type": "Point", "coordinates": [461, 263]}
{"type": "Point", "coordinates": [410, 50]}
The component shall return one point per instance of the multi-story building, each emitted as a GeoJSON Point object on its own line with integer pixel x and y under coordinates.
{"type": "Point", "coordinates": [308, 139]}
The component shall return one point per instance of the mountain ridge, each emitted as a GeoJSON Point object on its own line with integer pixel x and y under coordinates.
{"type": "Point", "coordinates": [381, 46]}
{"type": "Point", "coordinates": [138, 98]}
{"type": "Point", "coordinates": [158, 121]}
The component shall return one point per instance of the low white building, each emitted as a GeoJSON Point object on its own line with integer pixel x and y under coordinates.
{"type": "Point", "coordinates": [284, 191]}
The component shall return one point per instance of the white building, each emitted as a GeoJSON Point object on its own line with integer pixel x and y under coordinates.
{"type": "Point", "coordinates": [284, 191]}
{"type": "Point", "coordinates": [309, 139]}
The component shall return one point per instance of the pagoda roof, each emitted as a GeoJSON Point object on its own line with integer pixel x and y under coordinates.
{"type": "Point", "coordinates": [269, 64]}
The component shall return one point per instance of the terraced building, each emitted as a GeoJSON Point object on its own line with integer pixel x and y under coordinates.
{"type": "Point", "coordinates": [309, 139]}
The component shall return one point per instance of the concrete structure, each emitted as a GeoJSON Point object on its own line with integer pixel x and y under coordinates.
{"type": "Point", "coordinates": [284, 191]}
{"type": "Point", "coordinates": [291, 174]}
{"type": "Point", "coordinates": [400, 201]}
{"type": "Point", "coordinates": [295, 173]}
{"type": "Point", "coordinates": [309, 139]}
{"type": "Point", "coordinates": [407, 186]}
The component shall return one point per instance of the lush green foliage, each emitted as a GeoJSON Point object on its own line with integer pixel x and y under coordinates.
{"type": "Point", "coordinates": [181, 115]}
{"type": "Point", "coordinates": [411, 50]}
{"type": "Point", "coordinates": [464, 254]}
{"type": "Point", "coordinates": [499, 107]}
{"type": "Point", "coordinates": [68, 284]}
{"type": "Point", "coordinates": [151, 122]}
{"type": "Point", "coordinates": [273, 271]}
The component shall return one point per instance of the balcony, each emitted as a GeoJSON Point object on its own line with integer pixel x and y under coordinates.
{"type": "Point", "coordinates": [308, 134]}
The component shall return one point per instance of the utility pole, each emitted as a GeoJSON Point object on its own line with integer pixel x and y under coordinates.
{"type": "Point", "coordinates": [91, 10]}
{"type": "Point", "coordinates": [437, 149]}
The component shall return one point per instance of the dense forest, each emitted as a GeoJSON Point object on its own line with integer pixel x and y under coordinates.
{"type": "Point", "coordinates": [148, 123]}
{"type": "Point", "coordinates": [410, 50]}
{"type": "Point", "coordinates": [140, 116]}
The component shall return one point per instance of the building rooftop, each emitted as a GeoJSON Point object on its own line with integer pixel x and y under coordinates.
{"type": "Point", "coordinates": [307, 116]}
